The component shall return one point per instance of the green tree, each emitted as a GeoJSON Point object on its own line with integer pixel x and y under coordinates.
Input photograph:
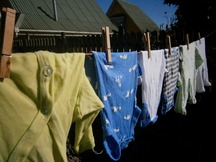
{"type": "Point", "coordinates": [195, 16]}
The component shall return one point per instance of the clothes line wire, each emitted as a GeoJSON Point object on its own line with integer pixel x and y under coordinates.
{"type": "Point", "coordinates": [210, 34]}
{"type": "Point", "coordinates": [169, 42]}
{"type": "Point", "coordinates": [90, 53]}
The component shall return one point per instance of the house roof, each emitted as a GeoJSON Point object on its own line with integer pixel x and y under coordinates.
{"type": "Point", "coordinates": [70, 16]}
{"type": "Point", "coordinates": [139, 17]}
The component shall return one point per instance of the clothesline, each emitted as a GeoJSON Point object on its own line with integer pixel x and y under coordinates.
{"type": "Point", "coordinates": [90, 53]}
{"type": "Point", "coordinates": [148, 47]}
{"type": "Point", "coordinates": [210, 34]}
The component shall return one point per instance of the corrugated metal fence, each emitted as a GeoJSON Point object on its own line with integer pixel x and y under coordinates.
{"type": "Point", "coordinates": [119, 42]}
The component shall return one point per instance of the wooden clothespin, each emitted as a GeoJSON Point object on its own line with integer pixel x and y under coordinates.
{"type": "Point", "coordinates": [106, 43]}
{"type": "Point", "coordinates": [199, 37]}
{"type": "Point", "coordinates": [8, 17]}
{"type": "Point", "coordinates": [147, 43]}
{"type": "Point", "coordinates": [187, 40]}
{"type": "Point", "coordinates": [145, 40]}
{"type": "Point", "coordinates": [169, 45]}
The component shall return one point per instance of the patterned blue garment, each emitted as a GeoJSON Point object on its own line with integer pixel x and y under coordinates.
{"type": "Point", "coordinates": [117, 84]}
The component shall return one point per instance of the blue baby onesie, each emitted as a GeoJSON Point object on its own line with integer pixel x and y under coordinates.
{"type": "Point", "coordinates": [117, 84]}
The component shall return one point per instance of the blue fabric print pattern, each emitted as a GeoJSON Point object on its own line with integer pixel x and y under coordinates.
{"type": "Point", "coordinates": [117, 85]}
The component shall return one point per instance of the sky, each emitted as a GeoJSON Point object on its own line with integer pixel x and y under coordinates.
{"type": "Point", "coordinates": [155, 9]}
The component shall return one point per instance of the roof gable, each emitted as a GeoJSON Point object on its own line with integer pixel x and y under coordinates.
{"type": "Point", "coordinates": [142, 20]}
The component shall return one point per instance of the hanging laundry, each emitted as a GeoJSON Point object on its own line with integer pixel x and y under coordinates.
{"type": "Point", "coordinates": [190, 60]}
{"type": "Point", "coordinates": [91, 72]}
{"type": "Point", "coordinates": [170, 80]}
{"type": "Point", "coordinates": [152, 80]}
{"type": "Point", "coordinates": [45, 94]}
{"type": "Point", "coordinates": [202, 78]}
{"type": "Point", "coordinates": [117, 84]}
{"type": "Point", "coordinates": [96, 126]}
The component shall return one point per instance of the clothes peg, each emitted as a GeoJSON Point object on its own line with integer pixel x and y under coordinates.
{"type": "Point", "coordinates": [8, 18]}
{"type": "Point", "coordinates": [106, 43]}
{"type": "Point", "coordinates": [187, 40]}
{"type": "Point", "coordinates": [169, 45]}
{"type": "Point", "coordinates": [199, 37]}
{"type": "Point", "coordinates": [147, 43]}
{"type": "Point", "coordinates": [145, 40]}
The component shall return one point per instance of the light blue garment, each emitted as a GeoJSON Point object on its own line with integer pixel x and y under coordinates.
{"type": "Point", "coordinates": [117, 84]}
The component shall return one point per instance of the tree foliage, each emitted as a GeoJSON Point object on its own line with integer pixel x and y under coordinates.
{"type": "Point", "coordinates": [191, 17]}
{"type": "Point", "coordinates": [195, 16]}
